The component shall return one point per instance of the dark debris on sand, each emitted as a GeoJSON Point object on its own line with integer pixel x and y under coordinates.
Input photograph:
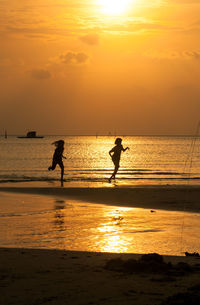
{"type": "Point", "coordinates": [191, 297]}
{"type": "Point", "coordinates": [148, 263]}
{"type": "Point", "coordinates": [196, 254]}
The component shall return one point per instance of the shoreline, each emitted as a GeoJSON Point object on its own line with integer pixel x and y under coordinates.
{"type": "Point", "coordinates": [36, 276]}
{"type": "Point", "coordinates": [172, 198]}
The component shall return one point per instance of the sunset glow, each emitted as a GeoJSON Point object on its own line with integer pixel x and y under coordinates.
{"type": "Point", "coordinates": [114, 7]}
{"type": "Point", "coordinates": [100, 66]}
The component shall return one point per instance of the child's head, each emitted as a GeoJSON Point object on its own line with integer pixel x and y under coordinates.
{"type": "Point", "coordinates": [118, 141]}
{"type": "Point", "coordinates": [59, 143]}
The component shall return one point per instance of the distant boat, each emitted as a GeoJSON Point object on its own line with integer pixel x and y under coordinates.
{"type": "Point", "coordinates": [31, 135]}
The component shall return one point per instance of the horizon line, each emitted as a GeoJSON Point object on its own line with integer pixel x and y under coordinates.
{"type": "Point", "coordinates": [115, 135]}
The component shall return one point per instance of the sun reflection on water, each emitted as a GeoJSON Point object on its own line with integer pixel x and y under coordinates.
{"type": "Point", "coordinates": [112, 238]}
{"type": "Point", "coordinates": [72, 225]}
{"type": "Point", "coordinates": [113, 243]}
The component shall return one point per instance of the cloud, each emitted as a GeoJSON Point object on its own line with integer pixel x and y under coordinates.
{"type": "Point", "coordinates": [184, 1]}
{"type": "Point", "coordinates": [192, 54]}
{"type": "Point", "coordinates": [40, 74]}
{"type": "Point", "coordinates": [73, 58]}
{"type": "Point", "coordinates": [70, 18]}
{"type": "Point", "coordinates": [170, 54]}
{"type": "Point", "coordinates": [133, 25]}
{"type": "Point", "coordinates": [38, 31]}
{"type": "Point", "coordinates": [90, 39]}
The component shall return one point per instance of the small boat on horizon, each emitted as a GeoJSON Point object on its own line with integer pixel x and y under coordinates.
{"type": "Point", "coordinates": [30, 135]}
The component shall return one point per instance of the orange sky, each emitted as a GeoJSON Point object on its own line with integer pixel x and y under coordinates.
{"type": "Point", "coordinates": [77, 67]}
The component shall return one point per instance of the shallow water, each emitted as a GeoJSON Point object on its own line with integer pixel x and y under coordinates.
{"type": "Point", "coordinates": [150, 160]}
{"type": "Point", "coordinates": [34, 221]}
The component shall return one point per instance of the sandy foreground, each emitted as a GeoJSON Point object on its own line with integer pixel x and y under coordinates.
{"type": "Point", "coordinates": [64, 277]}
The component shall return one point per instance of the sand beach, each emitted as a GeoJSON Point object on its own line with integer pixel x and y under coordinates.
{"type": "Point", "coordinates": [172, 197]}
{"type": "Point", "coordinates": [52, 276]}
{"type": "Point", "coordinates": [66, 277]}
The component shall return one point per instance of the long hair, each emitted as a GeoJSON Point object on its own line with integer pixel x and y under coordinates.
{"type": "Point", "coordinates": [59, 143]}
{"type": "Point", "coordinates": [118, 141]}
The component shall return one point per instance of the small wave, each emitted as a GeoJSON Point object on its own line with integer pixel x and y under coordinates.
{"type": "Point", "coordinates": [71, 173]}
{"type": "Point", "coordinates": [145, 231]}
{"type": "Point", "coordinates": [133, 173]}
{"type": "Point", "coordinates": [102, 176]}
{"type": "Point", "coordinates": [31, 179]}
{"type": "Point", "coordinates": [25, 213]}
{"type": "Point", "coordinates": [106, 169]}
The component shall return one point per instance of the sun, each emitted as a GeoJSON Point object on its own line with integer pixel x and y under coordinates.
{"type": "Point", "coordinates": [114, 7]}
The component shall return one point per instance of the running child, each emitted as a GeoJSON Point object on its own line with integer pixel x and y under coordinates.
{"type": "Point", "coordinates": [115, 154]}
{"type": "Point", "coordinates": [58, 156]}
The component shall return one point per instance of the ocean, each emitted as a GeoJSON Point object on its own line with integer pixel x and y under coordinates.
{"type": "Point", "coordinates": [150, 160]}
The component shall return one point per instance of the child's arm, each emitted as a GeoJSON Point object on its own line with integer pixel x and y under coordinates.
{"type": "Point", "coordinates": [124, 149]}
{"type": "Point", "coordinates": [110, 152]}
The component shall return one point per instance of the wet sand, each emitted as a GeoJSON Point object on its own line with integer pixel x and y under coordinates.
{"type": "Point", "coordinates": [174, 198]}
{"type": "Point", "coordinates": [79, 278]}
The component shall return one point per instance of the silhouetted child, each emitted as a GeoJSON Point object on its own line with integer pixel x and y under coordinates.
{"type": "Point", "coordinates": [115, 154]}
{"type": "Point", "coordinates": [58, 156]}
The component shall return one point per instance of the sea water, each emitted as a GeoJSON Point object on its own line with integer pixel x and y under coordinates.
{"type": "Point", "coordinates": [150, 160]}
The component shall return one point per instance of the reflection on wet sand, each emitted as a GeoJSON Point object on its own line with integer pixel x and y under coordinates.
{"type": "Point", "coordinates": [112, 241]}
{"type": "Point", "coordinates": [59, 219]}
{"type": "Point", "coordinates": [47, 222]}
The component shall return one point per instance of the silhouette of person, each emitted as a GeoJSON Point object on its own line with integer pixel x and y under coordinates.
{"type": "Point", "coordinates": [57, 157]}
{"type": "Point", "coordinates": [115, 154]}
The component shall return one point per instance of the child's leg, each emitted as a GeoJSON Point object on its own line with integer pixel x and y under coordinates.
{"type": "Point", "coordinates": [62, 170]}
{"type": "Point", "coordinates": [53, 166]}
{"type": "Point", "coordinates": [115, 171]}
